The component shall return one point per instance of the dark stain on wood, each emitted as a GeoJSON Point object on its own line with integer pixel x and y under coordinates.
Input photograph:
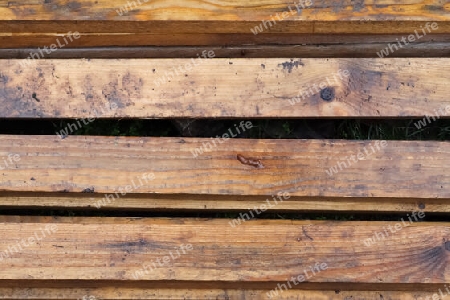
{"type": "Point", "coordinates": [13, 104]}
{"type": "Point", "coordinates": [3, 78]}
{"type": "Point", "coordinates": [34, 96]}
{"type": "Point", "coordinates": [289, 65]}
{"type": "Point", "coordinates": [73, 5]}
{"type": "Point", "coordinates": [88, 190]}
{"type": "Point", "coordinates": [306, 234]}
{"type": "Point", "coordinates": [433, 7]}
{"type": "Point", "coordinates": [140, 246]}
{"type": "Point", "coordinates": [358, 5]}
{"type": "Point", "coordinates": [256, 163]}
{"type": "Point", "coordinates": [88, 88]}
{"type": "Point", "coordinates": [360, 79]}
{"type": "Point", "coordinates": [447, 245]}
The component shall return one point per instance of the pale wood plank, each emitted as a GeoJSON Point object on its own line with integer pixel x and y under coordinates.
{"type": "Point", "coordinates": [394, 87]}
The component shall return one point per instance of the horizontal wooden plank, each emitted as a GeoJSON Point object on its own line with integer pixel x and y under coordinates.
{"type": "Point", "coordinates": [110, 25]}
{"type": "Point", "coordinates": [350, 50]}
{"type": "Point", "coordinates": [237, 11]}
{"type": "Point", "coordinates": [226, 88]}
{"type": "Point", "coordinates": [27, 40]}
{"type": "Point", "coordinates": [89, 164]}
{"type": "Point", "coordinates": [208, 203]}
{"type": "Point", "coordinates": [196, 293]}
{"type": "Point", "coordinates": [296, 25]}
{"type": "Point", "coordinates": [255, 251]}
{"type": "Point", "coordinates": [221, 16]}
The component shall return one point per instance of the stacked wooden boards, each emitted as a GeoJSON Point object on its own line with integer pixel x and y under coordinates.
{"type": "Point", "coordinates": [164, 23]}
{"type": "Point", "coordinates": [248, 257]}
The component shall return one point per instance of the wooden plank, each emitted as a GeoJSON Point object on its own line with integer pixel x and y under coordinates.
{"type": "Point", "coordinates": [77, 164]}
{"type": "Point", "coordinates": [59, 12]}
{"type": "Point", "coordinates": [226, 88]}
{"type": "Point", "coordinates": [153, 23]}
{"type": "Point", "coordinates": [360, 50]}
{"type": "Point", "coordinates": [26, 40]}
{"type": "Point", "coordinates": [221, 16]}
{"type": "Point", "coordinates": [164, 25]}
{"type": "Point", "coordinates": [208, 203]}
{"type": "Point", "coordinates": [416, 253]}
{"type": "Point", "coordinates": [195, 293]}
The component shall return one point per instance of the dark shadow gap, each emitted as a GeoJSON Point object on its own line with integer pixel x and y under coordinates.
{"type": "Point", "coordinates": [352, 129]}
{"type": "Point", "coordinates": [332, 216]}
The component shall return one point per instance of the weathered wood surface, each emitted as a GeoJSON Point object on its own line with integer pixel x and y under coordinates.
{"type": "Point", "coordinates": [206, 40]}
{"type": "Point", "coordinates": [212, 293]}
{"type": "Point", "coordinates": [237, 11]}
{"type": "Point", "coordinates": [232, 88]}
{"type": "Point", "coordinates": [78, 164]}
{"type": "Point", "coordinates": [351, 50]}
{"type": "Point", "coordinates": [103, 23]}
{"type": "Point", "coordinates": [208, 203]}
{"type": "Point", "coordinates": [255, 251]}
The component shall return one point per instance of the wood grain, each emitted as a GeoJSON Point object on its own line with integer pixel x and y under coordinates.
{"type": "Point", "coordinates": [21, 22]}
{"type": "Point", "coordinates": [208, 203]}
{"type": "Point", "coordinates": [225, 88]}
{"type": "Point", "coordinates": [256, 251]}
{"type": "Point", "coordinates": [205, 40]}
{"type": "Point", "coordinates": [103, 164]}
{"type": "Point", "coordinates": [237, 11]}
{"type": "Point", "coordinates": [196, 293]}
{"type": "Point", "coordinates": [361, 50]}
